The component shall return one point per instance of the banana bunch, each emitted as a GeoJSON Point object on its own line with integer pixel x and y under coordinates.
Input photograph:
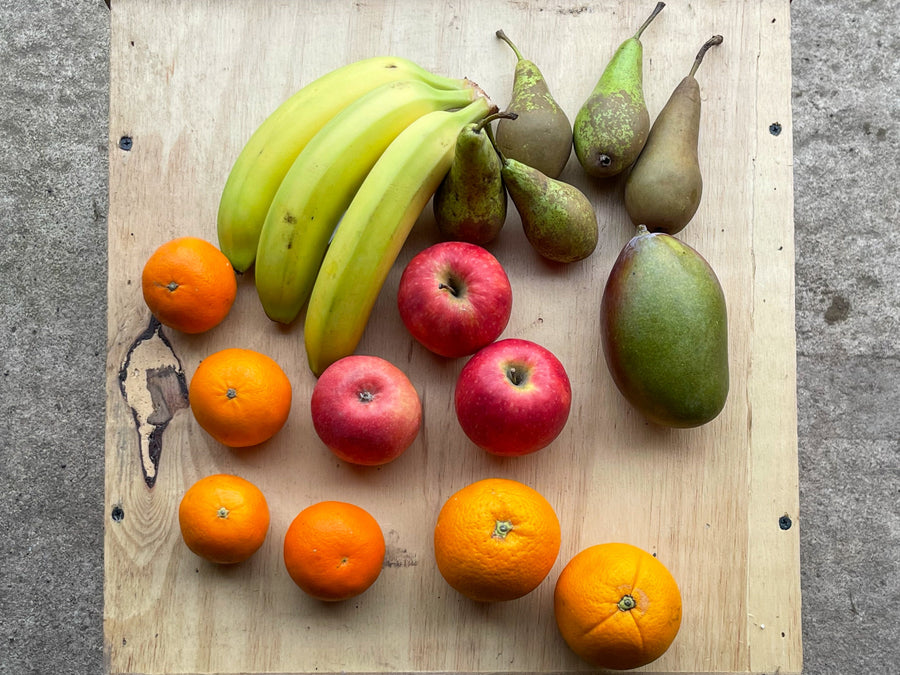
{"type": "Point", "coordinates": [323, 195]}
{"type": "Point", "coordinates": [271, 150]}
{"type": "Point", "coordinates": [374, 228]}
{"type": "Point", "coordinates": [322, 181]}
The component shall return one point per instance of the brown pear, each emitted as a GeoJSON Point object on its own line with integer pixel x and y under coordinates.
{"type": "Point", "coordinates": [664, 187]}
{"type": "Point", "coordinates": [541, 136]}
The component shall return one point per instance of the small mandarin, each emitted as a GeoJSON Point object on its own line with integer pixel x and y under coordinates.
{"type": "Point", "coordinates": [223, 518]}
{"type": "Point", "coordinates": [189, 285]}
{"type": "Point", "coordinates": [334, 550]}
{"type": "Point", "coordinates": [496, 539]}
{"type": "Point", "coordinates": [617, 606]}
{"type": "Point", "coordinates": [240, 397]}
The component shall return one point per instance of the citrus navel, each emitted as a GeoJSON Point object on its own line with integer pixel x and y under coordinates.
{"type": "Point", "coordinates": [223, 518]}
{"type": "Point", "coordinates": [189, 285]}
{"type": "Point", "coordinates": [240, 397]}
{"type": "Point", "coordinates": [617, 606]}
{"type": "Point", "coordinates": [496, 539]}
{"type": "Point", "coordinates": [334, 550]}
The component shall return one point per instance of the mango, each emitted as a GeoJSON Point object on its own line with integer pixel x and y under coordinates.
{"type": "Point", "coordinates": [664, 331]}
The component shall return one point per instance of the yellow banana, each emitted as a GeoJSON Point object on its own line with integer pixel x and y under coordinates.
{"type": "Point", "coordinates": [273, 147]}
{"type": "Point", "coordinates": [318, 187]}
{"type": "Point", "coordinates": [374, 229]}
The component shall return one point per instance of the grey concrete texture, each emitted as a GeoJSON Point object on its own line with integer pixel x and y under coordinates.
{"type": "Point", "coordinates": [53, 204]}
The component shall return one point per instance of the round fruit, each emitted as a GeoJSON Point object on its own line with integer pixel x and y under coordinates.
{"type": "Point", "coordinates": [223, 518]}
{"type": "Point", "coordinates": [240, 397]}
{"type": "Point", "coordinates": [617, 606]}
{"type": "Point", "coordinates": [496, 539]}
{"type": "Point", "coordinates": [454, 298]}
{"type": "Point", "coordinates": [189, 285]}
{"type": "Point", "coordinates": [334, 550]}
{"type": "Point", "coordinates": [365, 410]}
{"type": "Point", "coordinates": [513, 397]}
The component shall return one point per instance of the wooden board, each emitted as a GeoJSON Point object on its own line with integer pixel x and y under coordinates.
{"type": "Point", "coordinates": [189, 83]}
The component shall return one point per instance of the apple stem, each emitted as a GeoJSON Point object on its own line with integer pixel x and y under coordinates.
{"type": "Point", "coordinates": [452, 290]}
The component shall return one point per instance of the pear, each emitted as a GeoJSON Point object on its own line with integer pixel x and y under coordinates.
{"type": "Point", "coordinates": [541, 137]}
{"type": "Point", "coordinates": [559, 220]}
{"type": "Point", "coordinates": [664, 331]}
{"type": "Point", "coordinates": [612, 125]}
{"type": "Point", "coordinates": [663, 189]}
{"type": "Point", "coordinates": [470, 203]}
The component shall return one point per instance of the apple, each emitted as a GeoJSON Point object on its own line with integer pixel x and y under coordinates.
{"type": "Point", "coordinates": [454, 298]}
{"type": "Point", "coordinates": [513, 397]}
{"type": "Point", "coordinates": [365, 410]}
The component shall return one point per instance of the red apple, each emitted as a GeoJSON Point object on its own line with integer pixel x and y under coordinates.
{"type": "Point", "coordinates": [365, 410]}
{"type": "Point", "coordinates": [454, 298]}
{"type": "Point", "coordinates": [513, 397]}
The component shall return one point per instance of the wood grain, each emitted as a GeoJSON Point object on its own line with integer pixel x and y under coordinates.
{"type": "Point", "coordinates": [189, 83]}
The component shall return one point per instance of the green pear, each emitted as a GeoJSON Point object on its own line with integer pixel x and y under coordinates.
{"type": "Point", "coordinates": [611, 126]}
{"type": "Point", "coordinates": [541, 137]}
{"type": "Point", "coordinates": [664, 331]}
{"type": "Point", "coordinates": [664, 187]}
{"type": "Point", "coordinates": [470, 203]}
{"type": "Point", "coordinates": [559, 220]}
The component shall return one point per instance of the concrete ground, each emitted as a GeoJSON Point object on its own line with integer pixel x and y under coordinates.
{"type": "Point", "coordinates": [53, 201]}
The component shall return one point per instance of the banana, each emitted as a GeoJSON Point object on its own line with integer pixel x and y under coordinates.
{"type": "Point", "coordinates": [374, 228]}
{"type": "Point", "coordinates": [321, 182]}
{"type": "Point", "coordinates": [273, 147]}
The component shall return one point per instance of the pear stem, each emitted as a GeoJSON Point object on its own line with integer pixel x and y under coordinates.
{"type": "Point", "coordinates": [502, 36]}
{"type": "Point", "coordinates": [656, 10]}
{"type": "Point", "coordinates": [712, 42]}
{"type": "Point", "coordinates": [502, 115]}
{"type": "Point", "coordinates": [490, 134]}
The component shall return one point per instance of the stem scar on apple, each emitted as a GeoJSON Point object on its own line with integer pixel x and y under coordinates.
{"type": "Point", "coordinates": [454, 285]}
{"type": "Point", "coordinates": [366, 396]}
{"type": "Point", "coordinates": [518, 376]}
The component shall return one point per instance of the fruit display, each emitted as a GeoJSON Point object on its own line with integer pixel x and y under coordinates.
{"type": "Point", "coordinates": [429, 455]}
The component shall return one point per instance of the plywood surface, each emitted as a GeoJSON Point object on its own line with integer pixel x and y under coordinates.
{"type": "Point", "coordinates": [189, 83]}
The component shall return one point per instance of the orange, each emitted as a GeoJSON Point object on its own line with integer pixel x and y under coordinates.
{"type": "Point", "coordinates": [496, 539]}
{"type": "Point", "coordinates": [223, 518]}
{"type": "Point", "coordinates": [240, 397]}
{"type": "Point", "coordinates": [189, 285]}
{"type": "Point", "coordinates": [334, 550]}
{"type": "Point", "coordinates": [617, 606]}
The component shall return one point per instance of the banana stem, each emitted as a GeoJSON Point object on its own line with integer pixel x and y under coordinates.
{"type": "Point", "coordinates": [502, 36]}
{"type": "Point", "coordinates": [712, 42]}
{"type": "Point", "coordinates": [656, 10]}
